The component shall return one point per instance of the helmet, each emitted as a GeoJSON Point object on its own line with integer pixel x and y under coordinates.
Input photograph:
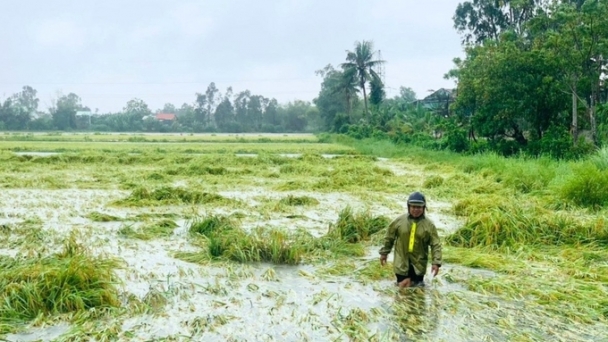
{"type": "Point", "coordinates": [416, 198]}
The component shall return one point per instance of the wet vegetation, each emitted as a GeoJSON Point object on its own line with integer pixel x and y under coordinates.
{"type": "Point", "coordinates": [528, 228]}
{"type": "Point", "coordinates": [70, 281]}
{"type": "Point", "coordinates": [225, 239]}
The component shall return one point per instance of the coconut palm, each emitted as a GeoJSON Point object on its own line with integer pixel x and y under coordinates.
{"type": "Point", "coordinates": [362, 62]}
{"type": "Point", "coordinates": [348, 87]}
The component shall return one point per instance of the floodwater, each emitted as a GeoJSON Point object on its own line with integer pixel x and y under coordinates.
{"type": "Point", "coordinates": [263, 302]}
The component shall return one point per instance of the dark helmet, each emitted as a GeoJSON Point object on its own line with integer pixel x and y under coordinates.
{"type": "Point", "coordinates": [416, 198]}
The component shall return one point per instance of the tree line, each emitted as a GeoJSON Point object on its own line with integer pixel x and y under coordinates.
{"type": "Point", "coordinates": [211, 111]}
{"type": "Point", "coordinates": [532, 80]}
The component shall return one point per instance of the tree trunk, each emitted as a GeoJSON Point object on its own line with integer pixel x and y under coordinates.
{"type": "Point", "coordinates": [592, 119]}
{"type": "Point", "coordinates": [349, 108]}
{"type": "Point", "coordinates": [365, 102]}
{"type": "Point", "coordinates": [574, 116]}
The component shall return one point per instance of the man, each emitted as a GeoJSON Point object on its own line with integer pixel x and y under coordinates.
{"type": "Point", "coordinates": [412, 234]}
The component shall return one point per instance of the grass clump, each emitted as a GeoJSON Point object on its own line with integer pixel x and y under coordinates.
{"type": "Point", "coordinates": [359, 175]}
{"type": "Point", "coordinates": [516, 225]}
{"type": "Point", "coordinates": [155, 176]}
{"type": "Point", "coordinates": [433, 182]}
{"type": "Point", "coordinates": [211, 224]}
{"type": "Point", "coordinates": [298, 201]}
{"type": "Point", "coordinates": [263, 245]}
{"type": "Point", "coordinates": [600, 159]}
{"type": "Point", "coordinates": [70, 281]}
{"type": "Point", "coordinates": [586, 186]}
{"type": "Point", "coordinates": [354, 228]}
{"type": "Point", "coordinates": [171, 195]}
{"type": "Point", "coordinates": [101, 217]}
{"type": "Point", "coordinates": [160, 229]}
{"type": "Point", "coordinates": [226, 240]}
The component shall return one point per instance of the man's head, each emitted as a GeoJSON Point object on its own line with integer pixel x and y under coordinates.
{"type": "Point", "coordinates": [416, 204]}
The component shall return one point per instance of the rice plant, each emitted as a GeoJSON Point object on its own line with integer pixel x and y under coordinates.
{"type": "Point", "coordinates": [160, 229]}
{"type": "Point", "coordinates": [586, 186]}
{"type": "Point", "coordinates": [527, 225]}
{"type": "Point", "coordinates": [71, 280]}
{"type": "Point", "coordinates": [101, 217]}
{"type": "Point", "coordinates": [353, 228]}
{"type": "Point", "coordinates": [171, 195]}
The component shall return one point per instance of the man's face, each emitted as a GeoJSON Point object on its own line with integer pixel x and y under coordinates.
{"type": "Point", "coordinates": [416, 210]}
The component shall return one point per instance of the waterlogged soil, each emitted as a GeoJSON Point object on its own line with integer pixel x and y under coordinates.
{"type": "Point", "coordinates": [262, 302]}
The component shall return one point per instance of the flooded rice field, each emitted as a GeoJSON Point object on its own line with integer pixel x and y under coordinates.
{"type": "Point", "coordinates": [167, 285]}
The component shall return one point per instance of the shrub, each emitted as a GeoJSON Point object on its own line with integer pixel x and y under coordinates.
{"type": "Point", "coordinates": [586, 186]}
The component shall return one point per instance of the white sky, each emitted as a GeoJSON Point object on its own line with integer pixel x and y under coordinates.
{"type": "Point", "coordinates": [160, 51]}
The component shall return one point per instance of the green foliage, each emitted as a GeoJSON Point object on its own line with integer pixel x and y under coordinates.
{"type": "Point", "coordinates": [511, 224]}
{"type": "Point", "coordinates": [362, 65]}
{"type": "Point", "coordinates": [353, 228]}
{"type": "Point", "coordinates": [432, 182]}
{"type": "Point", "coordinates": [170, 195]}
{"type": "Point", "coordinates": [225, 239]}
{"type": "Point", "coordinates": [159, 229]}
{"type": "Point", "coordinates": [72, 280]}
{"type": "Point", "coordinates": [586, 186]}
{"type": "Point", "coordinates": [212, 224]}
{"type": "Point", "coordinates": [457, 140]}
{"type": "Point", "coordinates": [101, 217]}
{"type": "Point", "coordinates": [600, 159]}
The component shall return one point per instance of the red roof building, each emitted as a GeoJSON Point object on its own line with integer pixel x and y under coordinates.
{"type": "Point", "coordinates": [165, 117]}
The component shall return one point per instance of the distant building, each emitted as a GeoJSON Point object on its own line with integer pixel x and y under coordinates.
{"type": "Point", "coordinates": [438, 101]}
{"type": "Point", "coordinates": [84, 113]}
{"type": "Point", "coordinates": [165, 117]}
{"type": "Point", "coordinates": [84, 116]}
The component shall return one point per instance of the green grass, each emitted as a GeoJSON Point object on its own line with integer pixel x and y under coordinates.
{"type": "Point", "coordinates": [224, 239]}
{"type": "Point", "coordinates": [160, 229]}
{"type": "Point", "coordinates": [143, 196]}
{"type": "Point", "coordinates": [353, 228]}
{"type": "Point", "coordinates": [586, 186]}
{"type": "Point", "coordinates": [101, 217]}
{"type": "Point", "coordinates": [512, 224]}
{"type": "Point", "coordinates": [70, 281]}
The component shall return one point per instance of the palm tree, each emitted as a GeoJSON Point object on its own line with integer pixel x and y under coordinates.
{"type": "Point", "coordinates": [348, 87]}
{"type": "Point", "coordinates": [362, 62]}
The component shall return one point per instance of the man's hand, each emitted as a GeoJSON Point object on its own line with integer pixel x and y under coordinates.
{"type": "Point", "coordinates": [435, 270]}
{"type": "Point", "coordinates": [407, 282]}
{"type": "Point", "coordinates": [383, 259]}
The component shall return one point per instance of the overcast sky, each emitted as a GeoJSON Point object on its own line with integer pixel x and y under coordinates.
{"type": "Point", "coordinates": [111, 51]}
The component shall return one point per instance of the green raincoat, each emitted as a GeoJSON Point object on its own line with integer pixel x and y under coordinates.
{"type": "Point", "coordinates": [398, 235]}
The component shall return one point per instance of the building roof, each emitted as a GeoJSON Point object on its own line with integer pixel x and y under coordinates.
{"type": "Point", "coordinates": [165, 116]}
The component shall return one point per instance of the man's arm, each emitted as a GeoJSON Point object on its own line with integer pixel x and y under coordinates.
{"type": "Point", "coordinates": [389, 238]}
{"type": "Point", "coordinates": [436, 249]}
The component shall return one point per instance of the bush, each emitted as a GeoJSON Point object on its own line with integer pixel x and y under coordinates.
{"type": "Point", "coordinates": [600, 159]}
{"type": "Point", "coordinates": [457, 140]}
{"type": "Point", "coordinates": [586, 186]}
